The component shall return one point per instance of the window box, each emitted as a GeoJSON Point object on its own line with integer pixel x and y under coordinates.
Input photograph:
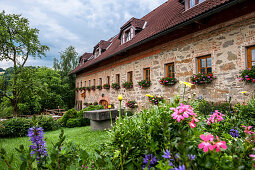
{"type": "Point", "coordinates": [93, 88]}
{"type": "Point", "coordinates": [155, 99]}
{"type": "Point", "coordinates": [115, 86]}
{"type": "Point", "coordinates": [131, 104]}
{"type": "Point", "coordinates": [127, 85]}
{"type": "Point", "coordinates": [248, 75]}
{"type": "Point", "coordinates": [88, 88]}
{"type": "Point", "coordinates": [99, 87]}
{"type": "Point", "coordinates": [167, 81]}
{"type": "Point", "coordinates": [144, 83]}
{"type": "Point", "coordinates": [202, 78]}
{"type": "Point", "coordinates": [106, 86]}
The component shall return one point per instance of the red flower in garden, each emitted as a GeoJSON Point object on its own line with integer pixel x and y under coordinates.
{"type": "Point", "coordinates": [247, 130]}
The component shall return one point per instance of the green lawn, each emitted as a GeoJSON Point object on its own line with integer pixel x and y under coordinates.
{"type": "Point", "coordinates": [82, 135]}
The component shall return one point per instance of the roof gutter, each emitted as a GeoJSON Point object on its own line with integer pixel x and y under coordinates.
{"type": "Point", "coordinates": [201, 16]}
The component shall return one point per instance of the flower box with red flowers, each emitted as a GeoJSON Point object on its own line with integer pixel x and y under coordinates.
{"type": "Point", "coordinates": [88, 88]}
{"type": "Point", "coordinates": [131, 104]}
{"type": "Point", "coordinates": [202, 78]}
{"type": "Point", "coordinates": [248, 75]}
{"type": "Point", "coordinates": [93, 88]}
{"type": "Point", "coordinates": [106, 86]}
{"type": "Point", "coordinates": [99, 87]}
{"type": "Point", "coordinates": [167, 81]}
{"type": "Point", "coordinates": [127, 85]}
{"type": "Point", "coordinates": [115, 86]}
{"type": "Point", "coordinates": [144, 83]}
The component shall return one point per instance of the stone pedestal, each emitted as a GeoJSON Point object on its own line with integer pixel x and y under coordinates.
{"type": "Point", "coordinates": [100, 119]}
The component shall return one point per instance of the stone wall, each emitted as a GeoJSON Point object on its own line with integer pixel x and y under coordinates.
{"type": "Point", "coordinates": [226, 43]}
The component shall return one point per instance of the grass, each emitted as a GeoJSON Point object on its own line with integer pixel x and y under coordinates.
{"type": "Point", "coordinates": [88, 140]}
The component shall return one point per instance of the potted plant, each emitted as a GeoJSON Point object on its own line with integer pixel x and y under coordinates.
{"type": "Point", "coordinates": [115, 86]}
{"type": "Point", "coordinates": [99, 87]}
{"type": "Point", "coordinates": [127, 85]}
{"type": "Point", "coordinates": [167, 81]}
{"type": "Point", "coordinates": [248, 75]}
{"type": "Point", "coordinates": [144, 83]}
{"type": "Point", "coordinates": [154, 99]}
{"type": "Point", "coordinates": [106, 86]}
{"type": "Point", "coordinates": [131, 104]}
{"type": "Point", "coordinates": [93, 88]}
{"type": "Point", "coordinates": [202, 78]}
{"type": "Point", "coordinates": [88, 88]}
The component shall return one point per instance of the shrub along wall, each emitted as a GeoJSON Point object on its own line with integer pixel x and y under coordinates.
{"type": "Point", "coordinates": [17, 127]}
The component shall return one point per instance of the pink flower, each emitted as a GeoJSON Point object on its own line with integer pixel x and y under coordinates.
{"type": "Point", "coordinates": [182, 111]}
{"type": "Point", "coordinates": [247, 130]}
{"type": "Point", "coordinates": [251, 155]}
{"type": "Point", "coordinates": [192, 123]}
{"type": "Point", "coordinates": [220, 144]}
{"type": "Point", "coordinates": [215, 117]}
{"type": "Point", "coordinates": [207, 142]}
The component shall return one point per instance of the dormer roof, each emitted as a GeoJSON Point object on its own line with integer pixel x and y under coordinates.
{"type": "Point", "coordinates": [85, 56]}
{"type": "Point", "coordinates": [102, 45]}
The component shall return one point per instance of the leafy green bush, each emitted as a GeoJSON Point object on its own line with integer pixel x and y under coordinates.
{"type": "Point", "coordinates": [73, 122]}
{"type": "Point", "coordinates": [72, 113]}
{"type": "Point", "coordinates": [48, 123]}
{"type": "Point", "coordinates": [15, 127]}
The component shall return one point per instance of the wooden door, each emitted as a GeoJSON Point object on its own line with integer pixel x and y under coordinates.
{"type": "Point", "coordinates": [104, 103]}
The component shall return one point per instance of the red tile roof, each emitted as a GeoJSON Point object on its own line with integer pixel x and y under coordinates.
{"type": "Point", "coordinates": [164, 17]}
{"type": "Point", "coordinates": [85, 56]}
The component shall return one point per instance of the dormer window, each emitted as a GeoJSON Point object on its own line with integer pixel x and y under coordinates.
{"type": "Point", "coordinates": [97, 52]}
{"type": "Point", "coordinates": [192, 3]}
{"type": "Point", "coordinates": [128, 34]}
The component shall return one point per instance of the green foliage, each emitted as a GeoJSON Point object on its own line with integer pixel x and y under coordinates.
{"type": "Point", "coordinates": [115, 86]}
{"type": "Point", "coordinates": [93, 88]}
{"type": "Point", "coordinates": [72, 113]}
{"type": "Point", "coordinates": [73, 122]}
{"type": "Point", "coordinates": [144, 83]}
{"type": "Point", "coordinates": [106, 86]}
{"type": "Point", "coordinates": [15, 127]}
{"type": "Point", "coordinates": [99, 87]}
{"type": "Point", "coordinates": [131, 104]}
{"type": "Point", "coordinates": [248, 75]}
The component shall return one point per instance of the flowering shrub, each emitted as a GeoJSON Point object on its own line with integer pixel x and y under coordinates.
{"type": "Point", "coordinates": [115, 86]}
{"type": "Point", "coordinates": [149, 161]}
{"type": "Point", "coordinates": [106, 86]}
{"type": "Point", "coordinates": [131, 104]}
{"type": "Point", "coordinates": [215, 117]}
{"type": "Point", "coordinates": [99, 87]}
{"type": "Point", "coordinates": [202, 78]}
{"type": "Point", "coordinates": [167, 81]}
{"type": "Point", "coordinates": [154, 99]}
{"type": "Point", "coordinates": [248, 75]}
{"type": "Point", "coordinates": [127, 85]}
{"type": "Point", "coordinates": [144, 83]}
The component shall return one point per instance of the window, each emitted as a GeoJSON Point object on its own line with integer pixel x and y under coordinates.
{"type": "Point", "coordinates": [128, 35]}
{"type": "Point", "coordinates": [147, 74]}
{"type": "Point", "coordinates": [108, 80]}
{"type": "Point", "coordinates": [81, 83]}
{"type": "Point", "coordinates": [94, 82]}
{"type": "Point", "coordinates": [205, 64]}
{"type": "Point", "coordinates": [170, 70]}
{"type": "Point", "coordinates": [192, 3]}
{"type": "Point", "coordinates": [85, 83]}
{"type": "Point", "coordinates": [89, 83]}
{"type": "Point", "coordinates": [118, 79]}
{"type": "Point", "coordinates": [100, 81]}
{"type": "Point", "coordinates": [97, 52]}
{"type": "Point", "coordinates": [130, 76]}
{"type": "Point", "coordinates": [251, 57]}
{"type": "Point", "coordinates": [77, 84]}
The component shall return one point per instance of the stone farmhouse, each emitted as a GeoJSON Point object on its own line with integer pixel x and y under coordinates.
{"type": "Point", "coordinates": [178, 39]}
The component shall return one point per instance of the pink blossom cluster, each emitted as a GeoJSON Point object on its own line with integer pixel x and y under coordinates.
{"type": "Point", "coordinates": [215, 117]}
{"type": "Point", "coordinates": [184, 111]}
{"type": "Point", "coordinates": [247, 130]}
{"type": "Point", "coordinates": [209, 143]}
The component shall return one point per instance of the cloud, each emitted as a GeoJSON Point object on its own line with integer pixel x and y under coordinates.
{"type": "Point", "coordinates": [81, 23]}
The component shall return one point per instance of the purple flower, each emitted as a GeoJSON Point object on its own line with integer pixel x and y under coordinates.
{"type": "Point", "coordinates": [234, 133]}
{"type": "Point", "coordinates": [181, 167]}
{"type": "Point", "coordinates": [38, 144]}
{"type": "Point", "coordinates": [246, 76]}
{"type": "Point", "coordinates": [151, 159]}
{"type": "Point", "coordinates": [191, 157]}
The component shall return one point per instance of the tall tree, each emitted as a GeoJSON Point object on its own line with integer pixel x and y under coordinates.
{"type": "Point", "coordinates": [68, 61]}
{"type": "Point", "coordinates": [17, 43]}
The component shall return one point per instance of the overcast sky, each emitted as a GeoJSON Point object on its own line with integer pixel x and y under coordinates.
{"type": "Point", "coordinates": [81, 23]}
